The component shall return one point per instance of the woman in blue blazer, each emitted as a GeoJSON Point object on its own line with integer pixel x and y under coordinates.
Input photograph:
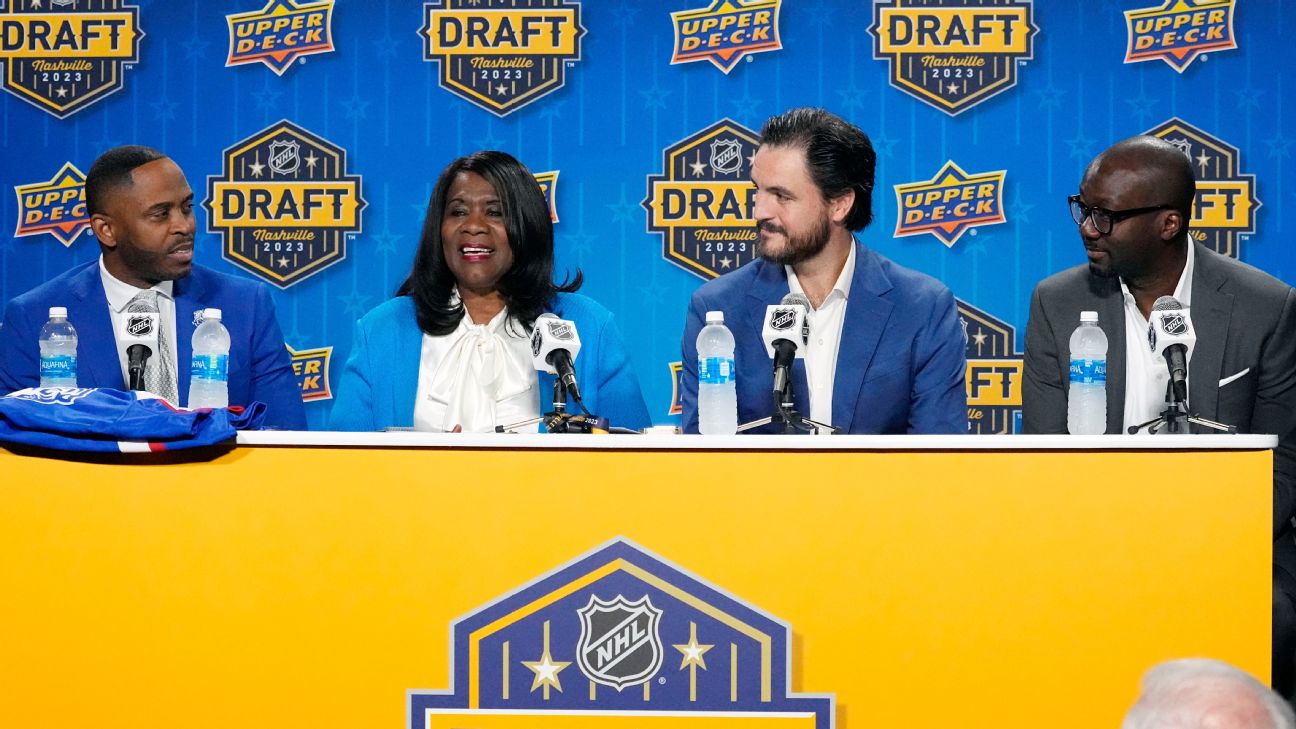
{"type": "Point", "coordinates": [482, 275]}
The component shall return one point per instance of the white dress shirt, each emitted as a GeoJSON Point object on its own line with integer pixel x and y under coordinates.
{"type": "Point", "coordinates": [1146, 375]}
{"type": "Point", "coordinates": [477, 377]}
{"type": "Point", "coordinates": [825, 339]}
{"type": "Point", "coordinates": [119, 294]}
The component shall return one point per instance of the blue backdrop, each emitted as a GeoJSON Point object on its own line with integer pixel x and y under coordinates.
{"type": "Point", "coordinates": [1039, 106]}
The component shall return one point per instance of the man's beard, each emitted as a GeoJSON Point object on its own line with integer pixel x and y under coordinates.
{"type": "Point", "coordinates": [799, 247]}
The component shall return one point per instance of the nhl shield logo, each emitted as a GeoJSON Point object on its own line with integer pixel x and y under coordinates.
{"type": "Point", "coordinates": [139, 326]}
{"type": "Point", "coordinates": [284, 159]}
{"type": "Point", "coordinates": [620, 642]}
{"type": "Point", "coordinates": [1174, 325]}
{"type": "Point", "coordinates": [726, 156]}
{"type": "Point", "coordinates": [561, 330]}
{"type": "Point", "coordinates": [783, 319]}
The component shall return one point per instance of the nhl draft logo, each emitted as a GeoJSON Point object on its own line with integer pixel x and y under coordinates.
{"type": "Point", "coordinates": [618, 637]}
{"type": "Point", "coordinates": [56, 206]}
{"type": "Point", "coordinates": [280, 33]}
{"type": "Point", "coordinates": [548, 182]}
{"type": "Point", "coordinates": [619, 644]}
{"type": "Point", "coordinates": [1224, 208]}
{"type": "Point", "coordinates": [950, 204]}
{"type": "Point", "coordinates": [502, 54]}
{"type": "Point", "coordinates": [311, 368]}
{"type": "Point", "coordinates": [702, 202]}
{"type": "Point", "coordinates": [61, 58]}
{"type": "Point", "coordinates": [284, 204]}
{"type": "Point", "coordinates": [1179, 31]}
{"type": "Point", "coordinates": [994, 372]}
{"type": "Point", "coordinates": [953, 54]}
{"type": "Point", "coordinates": [725, 31]}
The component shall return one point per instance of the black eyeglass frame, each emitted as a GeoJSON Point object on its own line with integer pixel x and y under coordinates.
{"type": "Point", "coordinates": [1080, 211]}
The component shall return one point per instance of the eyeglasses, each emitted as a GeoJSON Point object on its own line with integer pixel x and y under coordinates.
{"type": "Point", "coordinates": [1104, 219]}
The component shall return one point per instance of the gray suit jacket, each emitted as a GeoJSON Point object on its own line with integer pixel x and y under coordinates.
{"type": "Point", "coordinates": [1245, 321]}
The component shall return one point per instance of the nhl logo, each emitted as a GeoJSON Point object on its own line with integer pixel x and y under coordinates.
{"type": "Point", "coordinates": [783, 319]}
{"type": "Point", "coordinates": [561, 330]}
{"type": "Point", "coordinates": [726, 156]}
{"type": "Point", "coordinates": [619, 643]}
{"type": "Point", "coordinates": [1174, 325]}
{"type": "Point", "coordinates": [284, 159]}
{"type": "Point", "coordinates": [139, 326]}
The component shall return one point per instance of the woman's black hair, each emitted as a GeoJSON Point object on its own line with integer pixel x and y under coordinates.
{"type": "Point", "coordinates": [528, 287]}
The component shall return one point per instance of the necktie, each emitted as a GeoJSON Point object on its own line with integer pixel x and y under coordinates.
{"type": "Point", "coordinates": [160, 373]}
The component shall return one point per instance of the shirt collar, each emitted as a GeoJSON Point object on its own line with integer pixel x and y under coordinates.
{"type": "Point", "coordinates": [1183, 289]}
{"type": "Point", "coordinates": [844, 279]}
{"type": "Point", "coordinates": [120, 293]}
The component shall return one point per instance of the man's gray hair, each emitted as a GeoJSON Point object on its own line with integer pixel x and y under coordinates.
{"type": "Point", "coordinates": [1201, 693]}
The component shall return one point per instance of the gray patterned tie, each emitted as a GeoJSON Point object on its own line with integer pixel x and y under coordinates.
{"type": "Point", "coordinates": [160, 374]}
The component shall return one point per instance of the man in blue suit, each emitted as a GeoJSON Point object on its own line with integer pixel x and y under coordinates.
{"type": "Point", "coordinates": [141, 210]}
{"type": "Point", "coordinates": [886, 351]}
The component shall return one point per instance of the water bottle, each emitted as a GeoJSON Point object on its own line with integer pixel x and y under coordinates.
{"type": "Point", "coordinates": [1087, 397]}
{"type": "Point", "coordinates": [717, 388]}
{"type": "Point", "coordinates": [209, 375]}
{"type": "Point", "coordinates": [58, 350]}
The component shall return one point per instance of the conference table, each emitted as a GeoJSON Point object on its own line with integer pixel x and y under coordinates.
{"type": "Point", "coordinates": [454, 580]}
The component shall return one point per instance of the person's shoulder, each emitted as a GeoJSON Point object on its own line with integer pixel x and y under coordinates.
{"type": "Point", "coordinates": [579, 306]}
{"type": "Point", "coordinates": [732, 287]}
{"type": "Point", "coordinates": [56, 288]}
{"type": "Point", "coordinates": [1244, 275]}
{"type": "Point", "coordinates": [1067, 281]}
{"type": "Point", "coordinates": [906, 283]}
{"type": "Point", "coordinates": [398, 310]}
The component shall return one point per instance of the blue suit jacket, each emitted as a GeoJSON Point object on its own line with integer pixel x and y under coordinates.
{"type": "Point", "coordinates": [259, 365]}
{"type": "Point", "coordinates": [901, 365]}
{"type": "Point", "coordinates": [380, 379]}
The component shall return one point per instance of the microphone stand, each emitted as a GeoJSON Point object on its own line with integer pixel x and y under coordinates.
{"type": "Point", "coordinates": [560, 421]}
{"type": "Point", "coordinates": [785, 412]}
{"type": "Point", "coordinates": [1176, 418]}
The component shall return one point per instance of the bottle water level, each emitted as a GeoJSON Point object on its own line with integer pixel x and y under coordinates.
{"type": "Point", "coordinates": [1087, 394]}
{"type": "Point", "coordinates": [58, 351]}
{"type": "Point", "coordinates": [209, 373]}
{"type": "Point", "coordinates": [717, 387]}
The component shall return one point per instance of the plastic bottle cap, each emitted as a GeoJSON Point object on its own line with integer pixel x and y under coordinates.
{"type": "Point", "coordinates": [216, 314]}
{"type": "Point", "coordinates": [1089, 317]}
{"type": "Point", "coordinates": [715, 317]}
{"type": "Point", "coordinates": [58, 312]}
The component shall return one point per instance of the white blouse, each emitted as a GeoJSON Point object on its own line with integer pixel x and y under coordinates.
{"type": "Point", "coordinates": [477, 377]}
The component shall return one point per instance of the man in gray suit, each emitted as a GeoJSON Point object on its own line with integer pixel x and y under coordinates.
{"type": "Point", "coordinates": [1133, 210]}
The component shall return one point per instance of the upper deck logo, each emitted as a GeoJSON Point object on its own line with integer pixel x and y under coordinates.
{"type": "Point", "coordinates": [502, 54]}
{"type": "Point", "coordinates": [62, 58]}
{"type": "Point", "coordinates": [702, 203]}
{"type": "Point", "coordinates": [586, 645]}
{"type": "Point", "coordinates": [1224, 208]}
{"type": "Point", "coordinates": [311, 368]}
{"type": "Point", "coordinates": [284, 204]}
{"type": "Point", "coordinates": [1178, 31]}
{"type": "Point", "coordinates": [994, 372]}
{"type": "Point", "coordinates": [950, 203]}
{"type": "Point", "coordinates": [953, 54]}
{"type": "Point", "coordinates": [548, 182]}
{"type": "Point", "coordinates": [56, 206]}
{"type": "Point", "coordinates": [725, 31]}
{"type": "Point", "coordinates": [280, 33]}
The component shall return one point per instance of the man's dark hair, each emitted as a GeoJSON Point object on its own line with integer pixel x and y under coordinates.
{"type": "Point", "coordinates": [113, 170]}
{"type": "Point", "coordinates": [527, 287]}
{"type": "Point", "coordinates": [839, 155]}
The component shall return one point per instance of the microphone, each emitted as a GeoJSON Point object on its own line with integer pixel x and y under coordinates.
{"type": "Point", "coordinates": [139, 337]}
{"type": "Point", "coordinates": [554, 346]}
{"type": "Point", "coordinates": [783, 323]}
{"type": "Point", "coordinates": [1170, 335]}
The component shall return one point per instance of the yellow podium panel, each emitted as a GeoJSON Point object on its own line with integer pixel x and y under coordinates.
{"type": "Point", "coordinates": [316, 586]}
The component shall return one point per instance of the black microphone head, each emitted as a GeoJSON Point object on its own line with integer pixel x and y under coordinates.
{"type": "Point", "coordinates": [1167, 303]}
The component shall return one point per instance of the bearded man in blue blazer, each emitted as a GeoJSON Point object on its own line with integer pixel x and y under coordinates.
{"type": "Point", "coordinates": [141, 210]}
{"type": "Point", "coordinates": [886, 351]}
